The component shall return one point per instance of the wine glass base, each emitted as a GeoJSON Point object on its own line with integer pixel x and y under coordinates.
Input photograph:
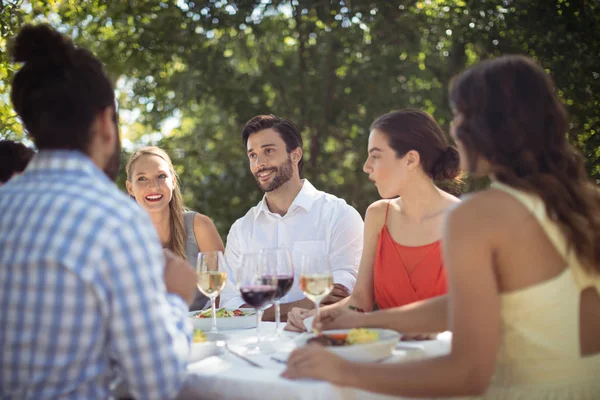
{"type": "Point", "coordinates": [277, 336]}
{"type": "Point", "coordinates": [262, 349]}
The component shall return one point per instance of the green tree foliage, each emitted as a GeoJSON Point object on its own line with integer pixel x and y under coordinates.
{"type": "Point", "coordinates": [11, 17]}
{"type": "Point", "coordinates": [330, 66]}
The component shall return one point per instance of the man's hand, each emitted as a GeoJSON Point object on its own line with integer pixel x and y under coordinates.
{"type": "Point", "coordinates": [338, 293]}
{"type": "Point", "coordinates": [180, 277]}
{"type": "Point", "coordinates": [285, 308]}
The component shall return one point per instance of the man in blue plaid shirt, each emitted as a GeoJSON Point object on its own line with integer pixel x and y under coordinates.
{"type": "Point", "coordinates": [86, 292]}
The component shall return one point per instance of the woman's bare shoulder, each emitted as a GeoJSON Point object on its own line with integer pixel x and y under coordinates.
{"type": "Point", "coordinates": [203, 223]}
{"type": "Point", "coordinates": [376, 212]}
{"type": "Point", "coordinates": [206, 233]}
{"type": "Point", "coordinates": [379, 206]}
{"type": "Point", "coordinates": [450, 199]}
{"type": "Point", "coordinates": [486, 206]}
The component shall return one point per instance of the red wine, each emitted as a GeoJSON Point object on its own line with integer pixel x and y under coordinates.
{"type": "Point", "coordinates": [284, 284]}
{"type": "Point", "coordinates": [257, 295]}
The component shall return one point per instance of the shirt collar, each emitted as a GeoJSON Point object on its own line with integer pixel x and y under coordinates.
{"type": "Point", "coordinates": [64, 160]}
{"type": "Point", "coordinates": [304, 199]}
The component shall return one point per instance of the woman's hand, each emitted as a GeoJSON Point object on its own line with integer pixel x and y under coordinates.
{"type": "Point", "coordinates": [314, 361]}
{"type": "Point", "coordinates": [295, 319]}
{"type": "Point", "coordinates": [339, 318]}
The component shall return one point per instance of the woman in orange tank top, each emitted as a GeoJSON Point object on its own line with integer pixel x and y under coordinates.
{"type": "Point", "coordinates": [401, 261]}
{"type": "Point", "coordinates": [405, 274]}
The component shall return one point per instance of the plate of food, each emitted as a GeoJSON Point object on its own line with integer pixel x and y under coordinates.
{"type": "Point", "coordinates": [226, 319]}
{"type": "Point", "coordinates": [201, 347]}
{"type": "Point", "coordinates": [358, 345]}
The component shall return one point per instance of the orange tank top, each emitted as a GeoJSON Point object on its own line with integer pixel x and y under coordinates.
{"type": "Point", "coordinates": [405, 274]}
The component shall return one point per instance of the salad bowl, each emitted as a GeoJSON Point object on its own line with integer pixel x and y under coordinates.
{"type": "Point", "coordinates": [227, 319]}
{"type": "Point", "coordinates": [376, 344]}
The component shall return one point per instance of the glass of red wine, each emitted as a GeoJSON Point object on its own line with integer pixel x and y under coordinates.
{"type": "Point", "coordinates": [279, 260]}
{"type": "Point", "coordinates": [257, 283]}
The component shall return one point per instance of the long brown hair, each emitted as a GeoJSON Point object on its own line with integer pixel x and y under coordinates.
{"type": "Point", "coordinates": [513, 118]}
{"type": "Point", "coordinates": [177, 233]}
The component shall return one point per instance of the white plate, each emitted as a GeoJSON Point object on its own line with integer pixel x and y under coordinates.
{"type": "Point", "coordinates": [224, 323]}
{"type": "Point", "coordinates": [199, 351]}
{"type": "Point", "coordinates": [368, 352]}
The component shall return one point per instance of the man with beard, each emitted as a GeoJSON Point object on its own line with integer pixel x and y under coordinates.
{"type": "Point", "coordinates": [87, 294]}
{"type": "Point", "coordinates": [292, 214]}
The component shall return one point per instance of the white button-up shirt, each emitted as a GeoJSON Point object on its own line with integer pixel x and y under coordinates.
{"type": "Point", "coordinates": [315, 222]}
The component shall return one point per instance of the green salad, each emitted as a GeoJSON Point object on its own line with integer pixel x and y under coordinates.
{"type": "Point", "coordinates": [223, 313]}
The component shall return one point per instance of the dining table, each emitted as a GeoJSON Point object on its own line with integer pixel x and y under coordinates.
{"type": "Point", "coordinates": [228, 371]}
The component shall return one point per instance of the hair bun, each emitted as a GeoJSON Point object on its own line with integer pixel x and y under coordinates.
{"type": "Point", "coordinates": [447, 166]}
{"type": "Point", "coordinates": [40, 44]}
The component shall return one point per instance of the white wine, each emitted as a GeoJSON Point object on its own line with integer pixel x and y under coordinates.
{"type": "Point", "coordinates": [210, 283]}
{"type": "Point", "coordinates": [315, 287]}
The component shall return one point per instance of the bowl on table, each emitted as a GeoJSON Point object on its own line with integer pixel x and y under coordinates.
{"type": "Point", "coordinates": [201, 347]}
{"type": "Point", "coordinates": [374, 350]}
{"type": "Point", "coordinates": [227, 319]}
{"type": "Point", "coordinates": [199, 351]}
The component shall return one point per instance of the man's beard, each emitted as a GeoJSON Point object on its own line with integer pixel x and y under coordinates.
{"type": "Point", "coordinates": [282, 174]}
{"type": "Point", "coordinates": [111, 169]}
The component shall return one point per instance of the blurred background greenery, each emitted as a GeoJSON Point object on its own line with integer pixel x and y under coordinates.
{"type": "Point", "coordinates": [189, 74]}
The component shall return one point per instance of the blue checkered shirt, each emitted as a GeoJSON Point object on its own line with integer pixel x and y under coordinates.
{"type": "Point", "coordinates": [82, 294]}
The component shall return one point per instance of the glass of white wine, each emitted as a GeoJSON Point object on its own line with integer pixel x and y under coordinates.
{"type": "Point", "coordinates": [316, 279]}
{"type": "Point", "coordinates": [211, 279]}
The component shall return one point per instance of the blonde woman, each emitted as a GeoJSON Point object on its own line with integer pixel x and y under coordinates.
{"type": "Point", "coordinates": [152, 181]}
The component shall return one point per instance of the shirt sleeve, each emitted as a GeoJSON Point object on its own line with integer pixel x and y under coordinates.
{"type": "Point", "coordinates": [148, 327]}
{"type": "Point", "coordinates": [230, 296]}
{"type": "Point", "coordinates": [345, 248]}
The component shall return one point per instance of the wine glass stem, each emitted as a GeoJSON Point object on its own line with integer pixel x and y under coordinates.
{"type": "Point", "coordinates": [277, 317]}
{"type": "Point", "coordinates": [258, 318]}
{"type": "Point", "coordinates": [318, 310]}
{"type": "Point", "coordinates": [214, 315]}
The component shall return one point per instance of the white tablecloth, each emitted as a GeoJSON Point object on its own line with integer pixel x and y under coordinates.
{"type": "Point", "coordinates": [225, 376]}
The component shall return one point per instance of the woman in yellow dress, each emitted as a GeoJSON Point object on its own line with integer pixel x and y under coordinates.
{"type": "Point", "coordinates": [522, 259]}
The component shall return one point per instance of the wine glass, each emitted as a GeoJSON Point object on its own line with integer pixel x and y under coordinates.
{"type": "Point", "coordinates": [211, 279]}
{"type": "Point", "coordinates": [316, 279]}
{"type": "Point", "coordinates": [257, 283]}
{"type": "Point", "coordinates": [280, 260]}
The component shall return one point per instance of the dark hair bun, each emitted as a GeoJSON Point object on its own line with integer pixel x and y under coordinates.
{"type": "Point", "coordinates": [447, 166]}
{"type": "Point", "coordinates": [40, 44]}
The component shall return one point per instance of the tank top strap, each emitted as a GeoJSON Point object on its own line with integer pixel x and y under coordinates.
{"type": "Point", "coordinates": [191, 245]}
{"type": "Point", "coordinates": [188, 222]}
{"type": "Point", "coordinates": [387, 209]}
{"type": "Point", "coordinates": [537, 208]}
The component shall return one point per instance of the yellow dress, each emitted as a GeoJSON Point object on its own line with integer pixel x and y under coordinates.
{"type": "Point", "coordinates": [539, 355]}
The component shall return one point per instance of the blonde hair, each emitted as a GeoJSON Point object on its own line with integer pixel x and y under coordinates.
{"type": "Point", "coordinates": [177, 233]}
